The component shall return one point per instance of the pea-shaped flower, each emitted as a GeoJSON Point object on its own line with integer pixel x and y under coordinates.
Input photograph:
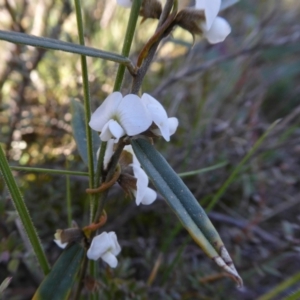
{"type": "Point", "coordinates": [133, 178]}
{"type": "Point", "coordinates": [165, 126]}
{"type": "Point", "coordinates": [105, 246]}
{"type": "Point", "coordinates": [118, 116]}
{"type": "Point", "coordinates": [143, 194]}
{"type": "Point", "coordinates": [211, 9]}
{"type": "Point", "coordinates": [218, 31]}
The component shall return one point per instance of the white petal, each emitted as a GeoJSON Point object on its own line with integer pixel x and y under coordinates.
{"type": "Point", "coordinates": [116, 130]}
{"type": "Point", "coordinates": [116, 249]}
{"type": "Point", "coordinates": [133, 115]}
{"type": "Point", "coordinates": [135, 161]}
{"type": "Point", "coordinates": [173, 124]}
{"type": "Point", "coordinates": [125, 3]}
{"type": "Point", "coordinates": [110, 259]}
{"type": "Point", "coordinates": [105, 133]}
{"type": "Point", "coordinates": [158, 114]}
{"type": "Point", "coordinates": [105, 111]}
{"type": "Point", "coordinates": [102, 245]}
{"type": "Point", "coordinates": [219, 30]}
{"type": "Point", "coordinates": [211, 9]}
{"type": "Point", "coordinates": [60, 244]}
{"type": "Point", "coordinates": [109, 151]}
{"type": "Point", "coordinates": [141, 183]}
{"type": "Point", "coordinates": [149, 197]}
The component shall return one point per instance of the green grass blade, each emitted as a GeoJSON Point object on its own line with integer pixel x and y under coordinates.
{"type": "Point", "coordinates": [49, 171]}
{"type": "Point", "coordinates": [23, 213]}
{"type": "Point", "coordinates": [203, 170]}
{"type": "Point", "coordinates": [286, 284]}
{"type": "Point", "coordinates": [238, 168]}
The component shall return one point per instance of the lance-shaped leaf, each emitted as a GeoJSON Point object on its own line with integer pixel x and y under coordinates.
{"type": "Point", "coordinates": [79, 132]}
{"type": "Point", "coordinates": [58, 283]}
{"type": "Point", "coordinates": [49, 43]}
{"type": "Point", "coordinates": [184, 204]}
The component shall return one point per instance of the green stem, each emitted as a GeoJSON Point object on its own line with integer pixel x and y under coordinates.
{"type": "Point", "coordinates": [68, 196]}
{"type": "Point", "coordinates": [238, 168]}
{"type": "Point", "coordinates": [49, 171]}
{"type": "Point", "coordinates": [110, 174]}
{"type": "Point", "coordinates": [87, 107]}
{"type": "Point", "coordinates": [23, 213]}
{"type": "Point", "coordinates": [134, 14]}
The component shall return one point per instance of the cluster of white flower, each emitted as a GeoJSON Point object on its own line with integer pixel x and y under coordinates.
{"type": "Point", "coordinates": [131, 115]}
{"type": "Point", "coordinates": [116, 117]}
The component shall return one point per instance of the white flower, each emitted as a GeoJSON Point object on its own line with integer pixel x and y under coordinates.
{"type": "Point", "coordinates": [211, 9]}
{"type": "Point", "coordinates": [109, 151]}
{"type": "Point", "coordinates": [105, 246]}
{"type": "Point", "coordinates": [219, 30]}
{"type": "Point", "coordinates": [166, 126]}
{"type": "Point", "coordinates": [60, 244]}
{"type": "Point", "coordinates": [143, 194]}
{"type": "Point", "coordinates": [118, 116]}
{"type": "Point", "coordinates": [125, 3]}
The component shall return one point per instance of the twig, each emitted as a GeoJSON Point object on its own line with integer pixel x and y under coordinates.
{"type": "Point", "coordinates": [209, 64]}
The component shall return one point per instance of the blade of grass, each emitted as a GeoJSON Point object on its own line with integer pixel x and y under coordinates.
{"type": "Point", "coordinates": [238, 168]}
{"type": "Point", "coordinates": [49, 171]}
{"type": "Point", "coordinates": [203, 170]}
{"type": "Point", "coordinates": [286, 284]}
{"type": "Point", "coordinates": [68, 196]}
{"type": "Point", "coordinates": [23, 213]}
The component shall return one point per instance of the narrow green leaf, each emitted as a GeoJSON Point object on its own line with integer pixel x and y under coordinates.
{"type": "Point", "coordinates": [79, 132]}
{"type": "Point", "coordinates": [184, 204]}
{"type": "Point", "coordinates": [48, 43]}
{"type": "Point", "coordinates": [58, 283]}
{"type": "Point", "coordinates": [172, 187]}
{"type": "Point", "coordinates": [23, 212]}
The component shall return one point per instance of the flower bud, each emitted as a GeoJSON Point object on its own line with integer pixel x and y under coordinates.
{"type": "Point", "coordinates": [190, 20]}
{"type": "Point", "coordinates": [150, 9]}
{"type": "Point", "coordinates": [65, 236]}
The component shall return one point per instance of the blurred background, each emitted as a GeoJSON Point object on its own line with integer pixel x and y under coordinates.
{"type": "Point", "coordinates": [225, 97]}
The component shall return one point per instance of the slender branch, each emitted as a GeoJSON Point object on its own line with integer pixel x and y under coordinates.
{"type": "Point", "coordinates": [147, 54]}
{"type": "Point", "coordinates": [189, 71]}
